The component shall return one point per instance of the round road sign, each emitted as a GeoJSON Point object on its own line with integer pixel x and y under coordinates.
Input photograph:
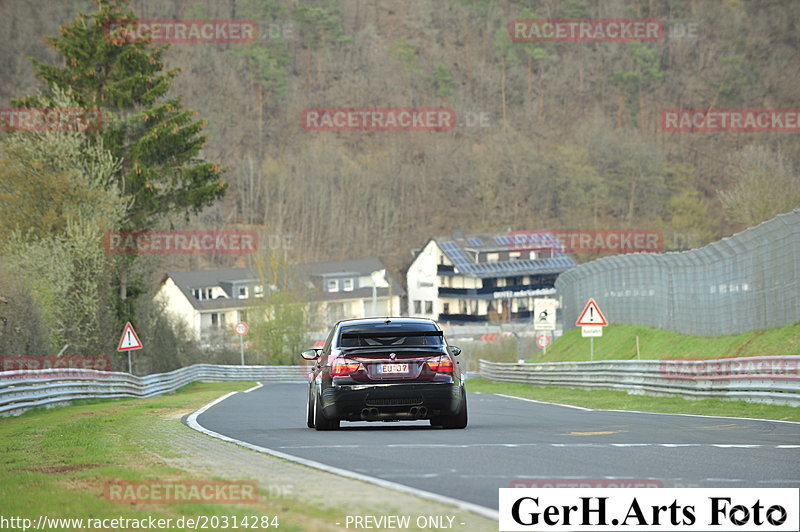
{"type": "Point", "coordinates": [241, 328]}
{"type": "Point", "coordinates": [543, 341]}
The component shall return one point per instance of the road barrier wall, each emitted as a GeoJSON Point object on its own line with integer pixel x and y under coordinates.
{"type": "Point", "coordinates": [773, 380]}
{"type": "Point", "coordinates": [25, 389]}
{"type": "Point", "coordinates": [746, 282]}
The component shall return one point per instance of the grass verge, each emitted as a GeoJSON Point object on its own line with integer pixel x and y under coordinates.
{"type": "Point", "coordinates": [619, 343]}
{"type": "Point", "coordinates": [617, 400]}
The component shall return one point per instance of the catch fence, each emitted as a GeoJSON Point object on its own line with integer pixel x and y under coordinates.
{"type": "Point", "coordinates": [746, 282]}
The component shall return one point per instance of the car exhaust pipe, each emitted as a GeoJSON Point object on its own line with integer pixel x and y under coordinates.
{"type": "Point", "coordinates": [369, 413]}
{"type": "Point", "coordinates": [414, 411]}
{"type": "Point", "coordinates": [423, 411]}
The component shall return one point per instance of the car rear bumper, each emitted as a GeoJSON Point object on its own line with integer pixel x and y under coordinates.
{"type": "Point", "coordinates": [382, 402]}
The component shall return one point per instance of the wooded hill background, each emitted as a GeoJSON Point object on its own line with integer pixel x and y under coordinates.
{"type": "Point", "coordinates": [572, 139]}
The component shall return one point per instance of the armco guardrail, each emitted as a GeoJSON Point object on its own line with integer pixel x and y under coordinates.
{"type": "Point", "coordinates": [773, 380]}
{"type": "Point", "coordinates": [25, 389]}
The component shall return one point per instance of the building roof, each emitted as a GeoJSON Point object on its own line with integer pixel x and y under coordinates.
{"type": "Point", "coordinates": [188, 280]}
{"type": "Point", "coordinates": [357, 266]}
{"type": "Point", "coordinates": [462, 251]}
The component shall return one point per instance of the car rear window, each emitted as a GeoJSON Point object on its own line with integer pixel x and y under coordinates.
{"type": "Point", "coordinates": [415, 335]}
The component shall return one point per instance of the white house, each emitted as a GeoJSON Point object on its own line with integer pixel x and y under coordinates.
{"type": "Point", "coordinates": [481, 277]}
{"type": "Point", "coordinates": [210, 302]}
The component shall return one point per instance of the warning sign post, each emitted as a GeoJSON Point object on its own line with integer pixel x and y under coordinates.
{"type": "Point", "coordinates": [129, 342]}
{"type": "Point", "coordinates": [591, 322]}
{"type": "Point", "coordinates": [591, 315]}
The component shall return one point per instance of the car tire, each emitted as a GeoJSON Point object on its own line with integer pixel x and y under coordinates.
{"type": "Point", "coordinates": [309, 410]}
{"type": "Point", "coordinates": [320, 421]}
{"type": "Point", "coordinates": [457, 421]}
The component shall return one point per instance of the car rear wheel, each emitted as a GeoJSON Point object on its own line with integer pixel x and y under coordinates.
{"type": "Point", "coordinates": [457, 421]}
{"type": "Point", "coordinates": [320, 421]}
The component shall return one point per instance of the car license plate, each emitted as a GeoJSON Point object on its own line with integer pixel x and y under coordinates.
{"type": "Point", "coordinates": [393, 368]}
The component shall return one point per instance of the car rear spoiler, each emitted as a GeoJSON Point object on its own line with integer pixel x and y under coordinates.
{"type": "Point", "coordinates": [390, 334]}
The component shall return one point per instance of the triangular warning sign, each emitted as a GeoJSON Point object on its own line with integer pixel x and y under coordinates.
{"type": "Point", "coordinates": [591, 315]}
{"type": "Point", "coordinates": [129, 339]}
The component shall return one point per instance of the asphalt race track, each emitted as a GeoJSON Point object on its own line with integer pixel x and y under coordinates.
{"type": "Point", "coordinates": [511, 440]}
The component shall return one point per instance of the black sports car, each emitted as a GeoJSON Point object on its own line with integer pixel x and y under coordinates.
{"type": "Point", "coordinates": [386, 369]}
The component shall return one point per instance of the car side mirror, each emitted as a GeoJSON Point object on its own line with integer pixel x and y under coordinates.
{"type": "Point", "coordinates": [454, 350]}
{"type": "Point", "coordinates": [310, 354]}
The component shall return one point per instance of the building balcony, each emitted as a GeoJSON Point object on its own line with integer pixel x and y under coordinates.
{"type": "Point", "coordinates": [524, 315]}
{"type": "Point", "coordinates": [444, 269]}
{"type": "Point", "coordinates": [489, 292]}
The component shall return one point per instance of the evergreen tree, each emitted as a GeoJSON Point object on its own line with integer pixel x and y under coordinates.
{"type": "Point", "coordinates": [157, 141]}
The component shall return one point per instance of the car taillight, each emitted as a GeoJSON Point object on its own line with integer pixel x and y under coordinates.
{"type": "Point", "coordinates": [343, 367]}
{"type": "Point", "coordinates": [443, 364]}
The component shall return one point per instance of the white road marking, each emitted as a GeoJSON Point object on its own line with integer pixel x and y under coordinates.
{"type": "Point", "coordinates": [643, 412]}
{"type": "Point", "coordinates": [256, 387]}
{"type": "Point", "coordinates": [527, 445]}
{"type": "Point", "coordinates": [542, 402]}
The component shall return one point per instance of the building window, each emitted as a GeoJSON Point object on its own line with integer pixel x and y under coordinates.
{"type": "Point", "coordinates": [201, 294]}
{"type": "Point", "coordinates": [348, 285]}
{"type": "Point", "coordinates": [258, 290]}
{"type": "Point", "coordinates": [333, 285]}
{"type": "Point", "coordinates": [429, 307]}
{"type": "Point", "coordinates": [242, 292]}
{"type": "Point", "coordinates": [242, 315]}
{"type": "Point", "coordinates": [515, 255]}
{"type": "Point", "coordinates": [217, 320]}
{"type": "Point", "coordinates": [492, 257]}
{"type": "Point", "coordinates": [445, 308]}
{"type": "Point", "coordinates": [417, 307]}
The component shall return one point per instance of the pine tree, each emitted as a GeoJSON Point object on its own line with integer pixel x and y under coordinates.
{"type": "Point", "coordinates": [157, 141]}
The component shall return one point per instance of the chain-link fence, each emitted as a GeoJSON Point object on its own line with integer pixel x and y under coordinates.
{"type": "Point", "coordinates": [746, 282]}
